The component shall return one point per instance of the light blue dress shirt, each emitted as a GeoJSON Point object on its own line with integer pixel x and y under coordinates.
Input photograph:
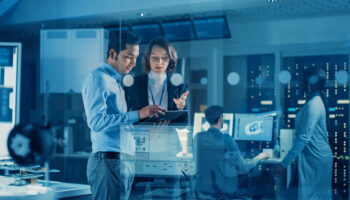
{"type": "Point", "coordinates": [106, 109]}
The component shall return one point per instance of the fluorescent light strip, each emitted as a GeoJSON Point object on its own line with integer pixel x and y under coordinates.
{"type": "Point", "coordinates": [301, 102]}
{"type": "Point", "coordinates": [343, 101]}
{"type": "Point", "coordinates": [292, 116]}
{"type": "Point", "coordinates": [266, 102]}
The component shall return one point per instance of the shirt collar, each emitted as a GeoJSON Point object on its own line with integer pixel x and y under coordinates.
{"type": "Point", "coordinates": [113, 72]}
{"type": "Point", "coordinates": [215, 130]}
{"type": "Point", "coordinates": [158, 78]}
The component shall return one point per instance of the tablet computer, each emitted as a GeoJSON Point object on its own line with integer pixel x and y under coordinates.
{"type": "Point", "coordinates": [170, 115]}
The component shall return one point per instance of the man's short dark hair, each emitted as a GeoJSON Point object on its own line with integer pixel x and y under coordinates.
{"type": "Point", "coordinates": [213, 113]}
{"type": "Point", "coordinates": [119, 39]}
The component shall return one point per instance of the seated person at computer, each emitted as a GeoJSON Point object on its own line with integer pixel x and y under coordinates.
{"type": "Point", "coordinates": [218, 159]}
{"type": "Point", "coordinates": [154, 86]}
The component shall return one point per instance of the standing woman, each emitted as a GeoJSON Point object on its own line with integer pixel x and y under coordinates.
{"type": "Point", "coordinates": [311, 147]}
{"type": "Point", "coordinates": [154, 86]}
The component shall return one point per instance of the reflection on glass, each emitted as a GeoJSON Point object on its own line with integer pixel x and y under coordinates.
{"type": "Point", "coordinates": [342, 77]}
{"type": "Point", "coordinates": [284, 77]}
{"type": "Point", "coordinates": [128, 80]}
{"type": "Point", "coordinates": [162, 150]}
{"type": "Point", "coordinates": [259, 80]}
{"type": "Point", "coordinates": [233, 78]}
{"type": "Point", "coordinates": [176, 79]}
{"type": "Point", "coordinates": [204, 81]}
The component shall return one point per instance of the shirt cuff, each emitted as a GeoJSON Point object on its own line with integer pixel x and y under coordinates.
{"type": "Point", "coordinates": [285, 162]}
{"type": "Point", "coordinates": [255, 161]}
{"type": "Point", "coordinates": [133, 116]}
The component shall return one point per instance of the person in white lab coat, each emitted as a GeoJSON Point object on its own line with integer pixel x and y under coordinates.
{"type": "Point", "coordinates": [311, 147]}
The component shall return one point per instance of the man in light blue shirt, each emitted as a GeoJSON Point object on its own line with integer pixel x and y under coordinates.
{"type": "Point", "coordinates": [109, 174]}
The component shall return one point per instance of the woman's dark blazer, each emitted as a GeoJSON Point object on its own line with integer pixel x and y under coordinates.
{"type": "Point", "coordinates": [137, 95]}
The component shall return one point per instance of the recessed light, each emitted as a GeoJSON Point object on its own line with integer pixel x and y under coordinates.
{"type": "Point", "coordinates": [141, 14]}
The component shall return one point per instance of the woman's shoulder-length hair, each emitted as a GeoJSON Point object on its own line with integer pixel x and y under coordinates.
{"type": "Point", "coordinates": [164, 44]}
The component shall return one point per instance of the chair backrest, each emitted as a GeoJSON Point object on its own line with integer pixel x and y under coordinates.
{"type": "Point", "coordinates": [209, 153]}
{"type": "Point", "coordinates": [215, 174]}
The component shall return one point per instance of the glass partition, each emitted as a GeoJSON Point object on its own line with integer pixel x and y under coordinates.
{"type": "Point", "coordinates": [136, 81]}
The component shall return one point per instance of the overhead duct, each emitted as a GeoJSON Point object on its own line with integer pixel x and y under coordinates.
{"type": "Point", "coordinates": [5, 5]}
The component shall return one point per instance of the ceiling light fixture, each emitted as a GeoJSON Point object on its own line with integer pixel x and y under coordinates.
{"type": "Point", "coordinates": [141, 14]}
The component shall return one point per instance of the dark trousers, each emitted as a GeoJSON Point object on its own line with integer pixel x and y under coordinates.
{"type": "Point", "coordinates": [292, 190]}
{"type": "Point", "coordinates": [110, 179]}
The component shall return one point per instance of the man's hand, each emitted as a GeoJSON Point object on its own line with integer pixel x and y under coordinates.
{"type": "Point", "coordinates": [181, 102]}
{"type": "Point", "coordinates": [151, 110]}
{"type": "Point", "coordinates": [262, 156]}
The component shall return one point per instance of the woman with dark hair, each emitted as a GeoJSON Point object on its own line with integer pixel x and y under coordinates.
{"type": "Point", "coordinates": [311, 147]}
{"type": "Point", "coordinates": [154, 86]}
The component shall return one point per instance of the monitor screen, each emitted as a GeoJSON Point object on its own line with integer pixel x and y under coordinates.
{"type": "Point", "coordinates": [253, 127]}
{"type": "Point", "coordinates": [211, 28]}
{"type": "Point", "coordinates": [9, 91]}
{"type": "Point", "coordinates": [178, 30]}
{"type": "Point", "coordinates": [5, 108]}
{"type": "Point", "coordinates": [146, 32]}
{"type": "Point", "coordinates": [200, 123]}
{"type": "Point", "coordinates": [6, 56]}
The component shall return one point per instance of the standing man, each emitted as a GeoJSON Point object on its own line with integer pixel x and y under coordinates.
{"type": "Point", "coordinates": [109, 174]}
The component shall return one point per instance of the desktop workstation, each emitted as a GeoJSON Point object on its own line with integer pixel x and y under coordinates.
{"type": "Point", "coordinates": [256, 133]}
{"type": "Point", "coordinates": [247, 129]}
{"type": "Point", "coordinates": [165, 164]}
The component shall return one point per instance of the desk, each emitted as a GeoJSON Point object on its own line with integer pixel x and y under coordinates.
{"type": "Point", "coordinates": [272, 161]}
{"type": "Point", "coordinates": [164, 168]}
{"type": "Point", "coordinates": [65, 190]}
{"type": "Point", "coordinates": [42, 190]}
{"type": "Point", "coordinates": [33, 191]}
{"type": "Point", "coordinates": [280, 181]}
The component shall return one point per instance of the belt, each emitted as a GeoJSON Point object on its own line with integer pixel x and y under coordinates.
{"type": "Point", "coordinates": [108, 155]}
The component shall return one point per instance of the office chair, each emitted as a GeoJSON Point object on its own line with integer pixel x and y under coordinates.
{"type": "Point", "coordinates": [210, 181]}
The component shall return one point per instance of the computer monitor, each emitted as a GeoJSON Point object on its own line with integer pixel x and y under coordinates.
{"type": "Point", "coordinates": [10, 55]}
{"type": "Point", "coordinates": [200, 123]}
{"type": "Point", "coordinates": [253, 127]}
